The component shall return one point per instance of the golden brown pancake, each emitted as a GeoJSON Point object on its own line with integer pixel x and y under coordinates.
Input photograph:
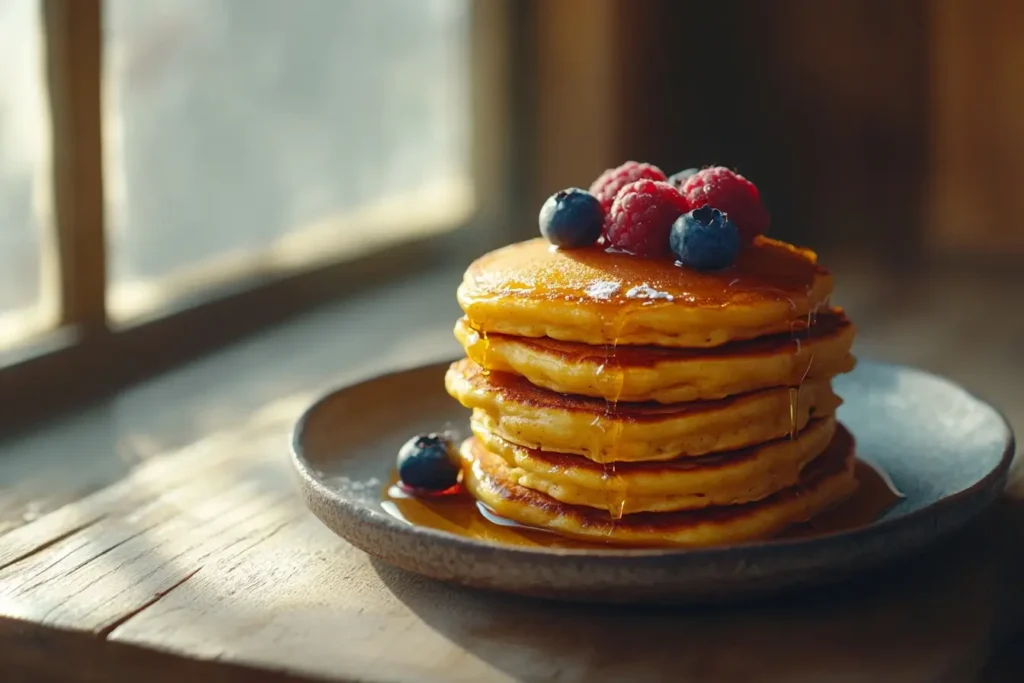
{"type": "Point", "coordinates": [683, 484]}
{"type": "Point", "coordinates": [599, 297]}
{"type": "Point", "coordinates": [666, 375]}
{"type": "Point", "coordinates": [514, 409]}
{"type": "Point", "coordinates": [828, 480]}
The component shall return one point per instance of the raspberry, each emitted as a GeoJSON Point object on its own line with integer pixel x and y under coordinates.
{"type": "Point", "coordinates": [607, 186]}
{"type": "Point", "coordinates": [731, 194]}
{"type": "Point", "coordinates": [641, 217]}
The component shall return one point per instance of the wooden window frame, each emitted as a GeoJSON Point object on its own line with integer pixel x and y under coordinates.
{"type": "Point", "coordinates": [87, 357]}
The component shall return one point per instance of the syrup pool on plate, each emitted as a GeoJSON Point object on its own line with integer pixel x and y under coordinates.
{"type": "Point", "coordinates": [876, 494]}
{"type": "Point", "coordinates": [458, 513]}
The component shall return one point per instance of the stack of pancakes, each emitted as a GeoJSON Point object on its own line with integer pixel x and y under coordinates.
{"type": "Point", "coordinates": [634, 401]}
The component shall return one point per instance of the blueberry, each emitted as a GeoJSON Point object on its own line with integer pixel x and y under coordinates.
{"type": "Point", "coordinates": [705, 239]}
{"type": "Point", "coordinates": [428, 462]}
{"type": "Point", "coordinates": [571, 218]}
{"type": "Point", "coordinates": [678, 179]}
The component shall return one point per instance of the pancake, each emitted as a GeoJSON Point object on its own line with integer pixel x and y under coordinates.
{"type": "Point", "coordinates": [597, 297]}
{"type": "Point", "coordinates": [683, 484]}
{"type": "Point", "coordinates": [651, 373]}
{"type": "Point", "coordinates": [509, 406]}
{"type": "Point", "coordinates": [828, 480]}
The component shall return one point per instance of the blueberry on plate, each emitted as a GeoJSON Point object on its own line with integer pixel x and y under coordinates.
{"type": "Point", "coordinates": [677, 179]}
{"type": "Point", "coordinates": [571, 218]}
{"type": "Point", "coordinates": [705, 239]}
{"type": "Point", "coordinates": [428, 462]}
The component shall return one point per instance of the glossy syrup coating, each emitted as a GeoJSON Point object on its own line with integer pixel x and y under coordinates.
{"type": "Point", "coordinates": [597, 296]}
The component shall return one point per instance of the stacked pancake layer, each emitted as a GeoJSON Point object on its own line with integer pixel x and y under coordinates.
{"type": "Point", "coordinates": [633, 401]}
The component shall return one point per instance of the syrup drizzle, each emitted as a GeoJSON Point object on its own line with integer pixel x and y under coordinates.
{"type": "Point", "coordinates": [794, 323]}
{"type": "Point", "coordinates": [477, 341]}
{"type": "Point", "coordinates": [794, 406]}
{"type": "Point", "coordinates": [485, 353]}
{"type": "Point", "coordinates": [615, 485]}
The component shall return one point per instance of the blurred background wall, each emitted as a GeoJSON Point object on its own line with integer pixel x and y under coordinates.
{"type": "Point", "coordinates": [888, 128]}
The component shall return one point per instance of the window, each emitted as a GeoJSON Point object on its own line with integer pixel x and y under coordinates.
{"type": "Point", "coordinates": [27, 296]}
{"type": "Point", "coordinates": [177, 169]}
{"type": "Point", "coordinates": [249, 135]}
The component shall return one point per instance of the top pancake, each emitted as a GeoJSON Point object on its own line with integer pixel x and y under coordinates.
{"type": "Point", "coordinates": [599, 297]}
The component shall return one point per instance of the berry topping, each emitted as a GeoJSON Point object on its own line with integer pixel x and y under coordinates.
{"type": "Point", "coordinates": [571, 218]}
{"type": "Point", "coordinates": [608, 185]}
{"type": "Point", "coordinates": [677, 179]}
{"type": "Point", "coordinates": [641, 217]}
{"type": "Point", "coordinates": [705, 239]}
{"type": "Point", "coordinates": [428, 462]}
{"type": "Point", "coordinates": [732, 194]}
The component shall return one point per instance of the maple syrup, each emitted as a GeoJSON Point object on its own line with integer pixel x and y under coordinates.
{"type": "Point", "coordinates": [615, 486]}
{"type": "Point", "coordinates": [460, 514]}
{"type": "Point", "coordinates": [794, 416]}
{"type": "Point", "coordinates": [518, 282]}
{"type": "Point", "coordinates": [875, 495]}
{"type": "Point", "coordinates": [477, 340]}
{"type": "Point", "coordinates": [771, 272]}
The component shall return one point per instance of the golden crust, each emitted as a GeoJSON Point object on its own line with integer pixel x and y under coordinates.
{"type": "Point", "coordinates": [596, 297]}
{"type": "Point", "coordinates": [669, 375]}
{"type": "Point", "coordinates": [514, 409]}
{"type": "Point", "coordinates": [826, 482]}
{"type": "Point", "coordinates": [684, 484]}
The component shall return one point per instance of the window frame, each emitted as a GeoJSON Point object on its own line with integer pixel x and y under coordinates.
{"type": "Point", "coordinates": [88, 356]}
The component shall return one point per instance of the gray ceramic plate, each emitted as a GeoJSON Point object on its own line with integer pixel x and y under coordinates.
{"type": "Point", "coordinates": [946, 450]}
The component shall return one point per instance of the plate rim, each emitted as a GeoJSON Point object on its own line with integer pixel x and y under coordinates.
{"type": "Point", "coordinates": [993, 480]}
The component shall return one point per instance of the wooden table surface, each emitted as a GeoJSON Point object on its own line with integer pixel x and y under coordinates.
{"type": "Point", "coordinates": [159, 536]}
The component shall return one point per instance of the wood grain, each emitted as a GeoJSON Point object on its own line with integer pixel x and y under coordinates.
{"type": "Point", "coordinates": [209, 553]}
{"type": "Point", "coordinates": [200, 562]}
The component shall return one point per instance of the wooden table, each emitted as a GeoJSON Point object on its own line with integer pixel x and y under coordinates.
{"type": "Point", "coordinates": [159, 537]}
